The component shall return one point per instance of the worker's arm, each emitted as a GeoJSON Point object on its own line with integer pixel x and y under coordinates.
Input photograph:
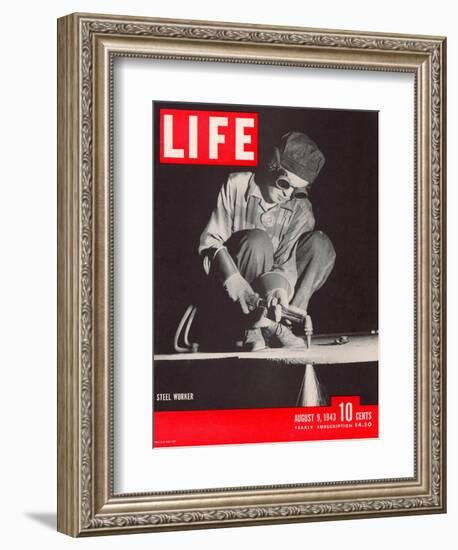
{"type": "Point", "coordinates": [219, 226]}
{"type": "Point", "coordinates": [217, 257]}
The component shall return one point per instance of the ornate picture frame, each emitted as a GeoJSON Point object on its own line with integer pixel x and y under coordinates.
{"type": "Point", "coordinates": [87, 46]}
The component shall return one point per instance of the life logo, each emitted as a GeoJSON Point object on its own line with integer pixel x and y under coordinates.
{"type": "Point", "coordinates": [208, 137]}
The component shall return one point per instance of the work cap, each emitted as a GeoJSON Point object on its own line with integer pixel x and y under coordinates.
{"type": "Point", "coordinates": [299, 154]}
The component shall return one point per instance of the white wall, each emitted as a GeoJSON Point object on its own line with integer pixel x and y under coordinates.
{"type": "Point", "coordinates": [28, 275]}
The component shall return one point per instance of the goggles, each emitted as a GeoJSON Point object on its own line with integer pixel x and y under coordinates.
{"type": "Point", "coordinates": [298, 192]}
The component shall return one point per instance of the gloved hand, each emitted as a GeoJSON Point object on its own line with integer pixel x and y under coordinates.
{"type": "Point", "coordinates": [239, 290]}
{"type": "Point", "coordinates": [276, 298]}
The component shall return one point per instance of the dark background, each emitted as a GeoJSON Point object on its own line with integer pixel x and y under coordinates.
{"type": "Point", "coordinates": [232, 383]}
{"type": "Point", "coordinates": [345, 204]}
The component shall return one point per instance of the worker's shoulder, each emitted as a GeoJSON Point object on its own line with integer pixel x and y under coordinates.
{"type": "Point", "coordinates": [303, 213]}
{"type": "Point", "coordinates": [236, 184]}
{"type": "Point", "coordinates": [239, 180]}
{"type": "Point", "coordinates": [303, 205]}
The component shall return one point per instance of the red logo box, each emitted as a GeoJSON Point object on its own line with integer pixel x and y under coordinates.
{"type": "Point", "coordinates": [208, 137]}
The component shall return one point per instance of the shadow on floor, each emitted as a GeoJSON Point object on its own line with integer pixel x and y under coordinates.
{"type": "Point", "coordinates": [47, 519]}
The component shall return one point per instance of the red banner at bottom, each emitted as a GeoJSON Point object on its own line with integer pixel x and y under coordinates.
{"type": "Point", "coordinates": [345, 418]}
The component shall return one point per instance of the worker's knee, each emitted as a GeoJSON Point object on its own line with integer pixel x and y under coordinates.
{"type": "Point", "coordinates": [316, 243]}
{"type": "Point", "coordinates": [255, 242]}
{"type": "Point", "coordinates": [321, 242]}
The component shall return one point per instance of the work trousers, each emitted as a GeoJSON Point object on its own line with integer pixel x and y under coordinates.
{"type": "Point", "coordinates": [253, 252]}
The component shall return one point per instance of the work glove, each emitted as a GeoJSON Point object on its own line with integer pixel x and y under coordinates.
{"type": "Point", "coordinates": [276, 298]}
{"type": "Point", "coordinates": [240, 291]}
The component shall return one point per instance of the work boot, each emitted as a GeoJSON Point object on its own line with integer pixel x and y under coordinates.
{"type": "Point", "coordinates": [253, 340]}
{"type": "Point", "coordinates": [279, 336]}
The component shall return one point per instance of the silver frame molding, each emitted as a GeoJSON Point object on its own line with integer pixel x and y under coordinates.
{"type": "Point", "coordinates": [87, 45]}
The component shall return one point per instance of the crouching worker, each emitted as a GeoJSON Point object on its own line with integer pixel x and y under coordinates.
{"type": "Point", "coordinates": [260, 242]}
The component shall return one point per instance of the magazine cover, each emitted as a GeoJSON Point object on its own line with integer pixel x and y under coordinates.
{"type": "Point", "coordinates": [265, 274]}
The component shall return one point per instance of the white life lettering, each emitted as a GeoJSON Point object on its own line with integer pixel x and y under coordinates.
{"type": "Point", "coordinates": [241, 138]}
{"type": "Point", "coordinates": [169, 150]}
{"type": "Point", "coordinates": [192, 137]}
{"type": "Point", "coordinates": [214, 137]}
